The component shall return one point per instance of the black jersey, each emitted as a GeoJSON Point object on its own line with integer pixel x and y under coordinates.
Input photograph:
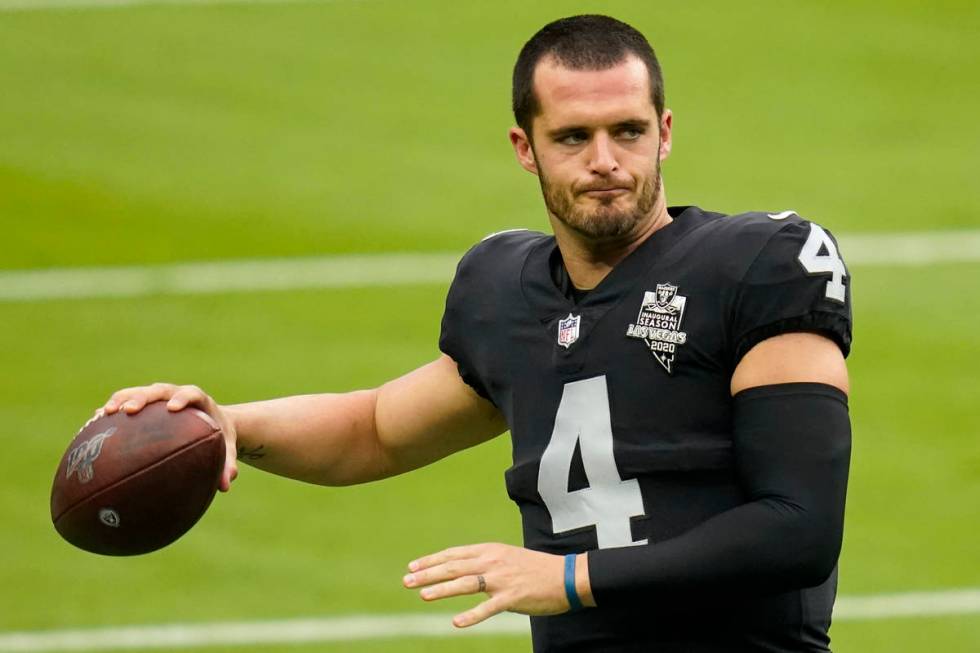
{"type": "Point", "coordinates": [620, 409]}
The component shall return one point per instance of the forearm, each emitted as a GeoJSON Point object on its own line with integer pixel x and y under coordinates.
{"type": "Point", "coordinates": [343, 439]}
{"type": "Point", "coordinates": [340, 439]}
{"type": "Point", "coordinates": [792, 454]}
{"type": "Point", "coordinates": [329, 439]}
{"type": "Point", "coordinates": [750, 548]}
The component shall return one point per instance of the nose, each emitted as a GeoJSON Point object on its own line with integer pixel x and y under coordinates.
{"type": "Point", "coordinates": [602, 157]}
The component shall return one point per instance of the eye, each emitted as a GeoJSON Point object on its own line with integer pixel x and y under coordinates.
{"type": "Point", "coordinates": [573, 138]}
{"type": "Point", "coordinates": [631, 133]}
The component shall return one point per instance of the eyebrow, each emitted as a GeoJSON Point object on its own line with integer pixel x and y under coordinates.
{"type": "Point", "coordinates": [624, 124]}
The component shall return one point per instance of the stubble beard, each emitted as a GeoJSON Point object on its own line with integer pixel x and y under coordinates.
{"type": "Point", "coordinates": [604, 222]}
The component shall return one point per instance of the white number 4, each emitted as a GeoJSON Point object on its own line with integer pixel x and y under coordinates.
{"type": "Point", "coordinates": [830, 263]}
{"type": "Point", "coordinates": [609, 502]}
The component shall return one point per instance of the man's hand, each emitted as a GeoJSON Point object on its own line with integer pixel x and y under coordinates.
{"type": "Point", "coordinates": [516, 580]}
{"type": "Point", "coordinates": [178, 397]}
{"type": "Point", "coordinates": [345, 438]}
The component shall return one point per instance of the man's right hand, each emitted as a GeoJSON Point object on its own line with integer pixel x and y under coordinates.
{"type": "Point", "coordinates": [178, 397]}
{"type": "Point", "coordinates": [346, 438]}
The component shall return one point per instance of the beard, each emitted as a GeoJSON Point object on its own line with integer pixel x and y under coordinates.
{"type": "Point", "coordinates": [607, 221]}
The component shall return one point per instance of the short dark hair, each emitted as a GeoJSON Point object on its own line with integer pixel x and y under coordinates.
{"type": "Point", "coordinates": [588, 42]}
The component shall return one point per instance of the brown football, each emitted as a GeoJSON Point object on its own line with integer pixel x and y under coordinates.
{"type": "Point", "coordinates": [132, 484]}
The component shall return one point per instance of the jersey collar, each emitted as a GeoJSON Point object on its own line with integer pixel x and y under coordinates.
{"type": "Point", "coordinates": [545, 281]}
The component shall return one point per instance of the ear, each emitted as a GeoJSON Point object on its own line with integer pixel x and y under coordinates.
{"type": "Point", "coordinates": [666, 133]}
{"type": "Point", "coordinates": [523, 150]}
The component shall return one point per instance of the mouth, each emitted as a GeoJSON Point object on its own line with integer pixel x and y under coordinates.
{"type": "Point", "coordinates": [604, 193]}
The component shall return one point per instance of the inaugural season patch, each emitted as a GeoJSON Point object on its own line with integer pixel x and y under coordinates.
{"type": "Point", "coordinates": [659, 323]}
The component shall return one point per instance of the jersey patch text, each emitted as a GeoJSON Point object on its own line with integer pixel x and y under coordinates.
{"type": "Point", "coordinates": [659, 323]}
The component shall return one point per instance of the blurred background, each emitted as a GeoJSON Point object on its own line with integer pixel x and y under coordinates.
{"type": "Point", "coordinates": [155, 133]}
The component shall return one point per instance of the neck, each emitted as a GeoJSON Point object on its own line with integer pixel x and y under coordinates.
{"type": "Point", "coordinates": [588, 261]}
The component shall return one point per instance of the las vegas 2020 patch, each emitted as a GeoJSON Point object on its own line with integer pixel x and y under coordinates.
{"type": "Point", "coordinates": [659, 323]}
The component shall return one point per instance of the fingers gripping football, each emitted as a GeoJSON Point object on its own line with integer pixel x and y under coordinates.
{"type": "Point", "coordinates": [132, 400]}
{"type": "Point", "coordinates": [178, 397]}
{"type": "Point", "coordinates": [516, 580]}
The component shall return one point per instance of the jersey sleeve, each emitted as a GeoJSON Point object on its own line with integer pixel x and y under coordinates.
{"type": "Point", "coordinates": [797, 282]}
{"type": "Point", "coordinates": [462, 306]}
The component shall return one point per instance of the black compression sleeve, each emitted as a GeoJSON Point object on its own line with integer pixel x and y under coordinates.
{"type": "Point", "coordinates": [792, 450]}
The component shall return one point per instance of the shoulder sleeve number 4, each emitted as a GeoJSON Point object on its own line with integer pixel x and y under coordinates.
{"type": "Point", "coordinates": [827, 263]}
{"type": "Point", "coordinates": [609, 502]}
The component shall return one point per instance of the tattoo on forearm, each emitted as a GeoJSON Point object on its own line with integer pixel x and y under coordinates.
{"type": "Point", "coordinates": [255, 453]}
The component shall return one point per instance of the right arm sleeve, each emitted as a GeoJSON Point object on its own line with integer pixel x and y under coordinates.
{"type": "Point", "coordinates": [460, 323]}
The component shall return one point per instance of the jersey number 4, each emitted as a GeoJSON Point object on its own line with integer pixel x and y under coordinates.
{"type": "Point", "coordinates": [828, 263]}
{"type": "Point", "coordinates": [609, 502]}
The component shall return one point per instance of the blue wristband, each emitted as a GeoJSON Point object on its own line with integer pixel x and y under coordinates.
{"type": "Point", "coordinates": [573, 599]}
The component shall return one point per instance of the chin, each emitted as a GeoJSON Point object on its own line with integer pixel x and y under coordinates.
{"type": "Point", "coordinates": [605, 225]}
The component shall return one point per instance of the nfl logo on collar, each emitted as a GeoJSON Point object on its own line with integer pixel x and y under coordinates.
{"type": "Point", "coordinates": [568, 330]}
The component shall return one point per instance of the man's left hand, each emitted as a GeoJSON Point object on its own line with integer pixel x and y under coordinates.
{"type": "Point", "coordinates": [515, 579]}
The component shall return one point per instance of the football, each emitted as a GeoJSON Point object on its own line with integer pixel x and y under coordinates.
{"type": "Point", "coordinates": [131, 484]}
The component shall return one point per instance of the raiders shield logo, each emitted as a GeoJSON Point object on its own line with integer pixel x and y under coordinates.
{"type": "Point", "coordinates": [568, 330]}
{"type": "Point", "coordinates": [659, 323]}
{"type": "Point", "coordinates": [109, 517]}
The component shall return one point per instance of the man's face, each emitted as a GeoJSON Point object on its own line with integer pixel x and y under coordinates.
{"type": "Point", "coordinates": [596, 147]}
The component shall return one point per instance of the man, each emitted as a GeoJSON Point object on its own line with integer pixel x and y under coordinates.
{"type": "Point", "coordinates": [673, 380]}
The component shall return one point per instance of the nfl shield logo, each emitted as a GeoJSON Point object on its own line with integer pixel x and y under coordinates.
{"type": "Point", "coordinates": [568, 330]}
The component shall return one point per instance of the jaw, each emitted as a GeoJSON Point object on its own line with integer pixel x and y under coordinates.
{"type": "Point", "coordinates": [618, 245]}
{"type": "Point", "coordinates": [571, 231]}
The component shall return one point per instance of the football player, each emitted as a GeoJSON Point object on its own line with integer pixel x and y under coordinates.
{"type": "Point", "coordinates": [673, 380]}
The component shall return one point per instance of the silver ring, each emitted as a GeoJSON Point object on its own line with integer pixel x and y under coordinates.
{"type": "Point", "coordinates": [483, 583]}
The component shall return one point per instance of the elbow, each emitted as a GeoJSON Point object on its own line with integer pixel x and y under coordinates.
{"type": "Point", "coordinates": [814, 550]}
{"type": "Point", "coordinates": [814, 569]}
{"type": "Point", "coordinates": [360, 456]}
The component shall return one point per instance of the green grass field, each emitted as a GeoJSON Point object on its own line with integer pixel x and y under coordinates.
{"type": "Point", "coordinates": [173, 133]}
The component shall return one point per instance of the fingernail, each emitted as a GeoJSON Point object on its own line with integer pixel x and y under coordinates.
{"type": "Point", "coordinates": [426, 593]}
{"type": "Point", "coordinates": [414, 565]}
{"type": "Point", "coordinates": [129, 405]}
{"type": "Point", "coordinates": [409, 579]}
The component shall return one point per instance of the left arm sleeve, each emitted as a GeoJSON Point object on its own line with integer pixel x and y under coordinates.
{"type": "Point", "coordinates": [792, 444]}
{"type": "Point", "coordinates": [796, 282]}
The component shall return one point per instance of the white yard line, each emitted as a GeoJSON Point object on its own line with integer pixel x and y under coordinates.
{"type": "Point", "coordinates": [291, 631]}
{"type": "Point", "coordinates": [357, 627]}
{"type": "Point", "coordinates": [911, 604]}
{"type": "Point", "coordinates": [370, 270]}
{"type": "Point", "coordinates": [388, 270]}
{"type": "Point", "coordinates": [911, 248]}
{"type": "Point", "coordinates": [45, 5]}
